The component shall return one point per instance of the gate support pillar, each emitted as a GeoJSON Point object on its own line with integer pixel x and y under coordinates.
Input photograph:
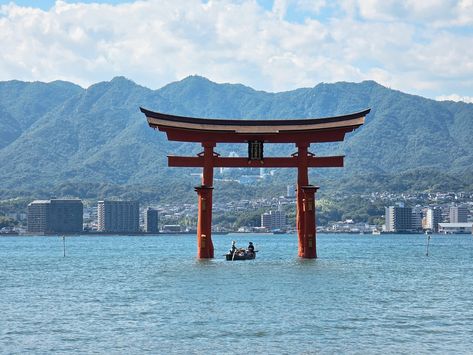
{"type": "Point", "coordinates": [302, 180]}
{"type": "Point", "coordinates": [309, 247]}
{"type": "Point", "coordinates": [205, 248]}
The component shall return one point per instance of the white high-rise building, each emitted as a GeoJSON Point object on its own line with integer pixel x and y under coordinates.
{"type": "Point", "coordinates": [118, 216]}
{"type": "Point", "coordinates": [55, 216]}
{"type": "Point", "coordinates": [432, 218]}
{"type": "Point", "coordinates": [398, 219]}
{"type": "Point", "coordinates": [273, 220]}
{"type": "Point", "coordinates": [458, 214]}
{"type": "Point", "coordinates": [266, 221]}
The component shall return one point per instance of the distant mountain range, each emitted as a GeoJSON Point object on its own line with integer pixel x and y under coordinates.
{"type": "Point", "coordinates": [58, 134]}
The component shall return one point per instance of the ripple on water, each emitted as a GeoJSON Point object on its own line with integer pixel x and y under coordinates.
{"type": "Point", "coordinates": [133, 295]}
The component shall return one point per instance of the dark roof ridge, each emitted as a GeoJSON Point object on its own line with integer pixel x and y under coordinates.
{"type": "Point", "coordinates": [243, 122]}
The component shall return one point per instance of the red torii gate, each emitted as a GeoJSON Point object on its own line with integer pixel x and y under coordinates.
{"type": "Point", "coordinates": [301, 132]}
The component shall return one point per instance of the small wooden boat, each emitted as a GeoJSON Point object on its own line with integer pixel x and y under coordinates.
{"type": "Point", "coordinates": [240, 254]}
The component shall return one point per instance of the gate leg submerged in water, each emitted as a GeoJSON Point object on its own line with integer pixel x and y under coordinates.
{"type": "Point", "coordinates": [205, 248]}
{"type": "Point", "coordinates": [309, 233]}
{"type": "Point", "coordinates": [306, 226]}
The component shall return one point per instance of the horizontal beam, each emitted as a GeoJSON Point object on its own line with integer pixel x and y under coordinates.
{"type": "Point", "coordinates": [319, 136]}
{"type": "Point", "coordinates": [271, 162]}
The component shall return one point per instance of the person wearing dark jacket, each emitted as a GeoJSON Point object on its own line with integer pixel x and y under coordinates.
{"type": "Point", "coordinates": [233, 249]}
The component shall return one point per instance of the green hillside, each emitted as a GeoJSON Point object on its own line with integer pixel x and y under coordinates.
{"type": "Point", "coordinates": [57, 138]}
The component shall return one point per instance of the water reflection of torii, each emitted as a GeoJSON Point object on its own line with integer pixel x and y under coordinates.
{"type": "Point", "coordinates": [301, 132]}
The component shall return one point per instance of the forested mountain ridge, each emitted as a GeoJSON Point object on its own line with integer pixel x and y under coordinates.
{"type": "Point", "coordinates": [56, 134]}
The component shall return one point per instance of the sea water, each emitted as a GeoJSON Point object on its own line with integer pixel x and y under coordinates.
{"type": "Point", "coordinates": [128, 295]}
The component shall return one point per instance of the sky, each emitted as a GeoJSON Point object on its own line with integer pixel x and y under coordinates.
{"type": "Point", "coordinates": [422, 47]}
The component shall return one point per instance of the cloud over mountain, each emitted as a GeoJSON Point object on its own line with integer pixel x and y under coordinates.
{"type": "Point", "coordinates": [406, 45]}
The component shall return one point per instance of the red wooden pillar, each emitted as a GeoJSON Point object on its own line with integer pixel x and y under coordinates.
{"type": "Point", "coordinates": [205, 248]}
{"type": "Point", "coordinates": [302, 180]}
{"type": "Point", "coordinates": [309, 235]}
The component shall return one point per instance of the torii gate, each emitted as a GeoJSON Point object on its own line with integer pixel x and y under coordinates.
{"type": "Point", "coordinates": [301, 132]}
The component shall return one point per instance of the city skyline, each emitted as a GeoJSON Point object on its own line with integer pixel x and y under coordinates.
{"type": "Point", "coordinates": [414, 214]}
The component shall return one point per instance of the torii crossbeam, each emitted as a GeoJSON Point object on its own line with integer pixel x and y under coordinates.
{"type": "Point", "coordinates": [301, 132]}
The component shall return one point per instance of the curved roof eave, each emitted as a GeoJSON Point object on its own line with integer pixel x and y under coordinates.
{"type": "Point", "coordinates": [204, 123]}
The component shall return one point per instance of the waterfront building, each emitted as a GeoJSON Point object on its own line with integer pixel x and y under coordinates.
{"type": "Point", "coordinates": [417, 219]}
{"type": "Point", "coordinates": [398, 219]}
{"type": "Point", "coordinates": [172, 228]}
{"type": "Point", "coordinates": [274, 220]}
{"type": "Point", "coordinates": [348, 226]}
{"type": "Point", "coordinates": [37, 219]}
{"type": "Point", "coordinates": [266, 220]}
{"type": "Point", "coordinates": [118, 216]}
{"type": "Point", "coordinates": [151, 220]}
{"type": "Point", "coordinates": [432, 218]}
{"type": "Point", "coordinates": [458, 214]}
{"type": "Point", "coordinates": [55, 216]}
{"type": "Point", "coordinates": [456, 228]}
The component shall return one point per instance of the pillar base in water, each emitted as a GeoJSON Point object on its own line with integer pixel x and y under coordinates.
{"type": "Point", "coordinates": [307, 236]}
{"type": "Point", "coordinates": [205, 248]}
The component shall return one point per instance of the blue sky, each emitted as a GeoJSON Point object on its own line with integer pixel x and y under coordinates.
{"type": "Point", "coordinates": [419, 47]}
{"type": "Point", "coordinates": [47, 4]}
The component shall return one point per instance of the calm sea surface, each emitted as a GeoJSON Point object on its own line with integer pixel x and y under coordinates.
{"type": "Point", "coordinates": [126, 295]}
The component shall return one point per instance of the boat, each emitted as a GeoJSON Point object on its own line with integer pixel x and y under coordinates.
{"type": "Point", "coordinates": [376, 232]}
{"type": "Point", "coordinates": [240, 254]}
{"type": "Point", "coordinates": [279, 231]}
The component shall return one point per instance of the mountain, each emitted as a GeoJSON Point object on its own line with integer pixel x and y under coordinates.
{"type": "Point", "coordinates": [59, 137]}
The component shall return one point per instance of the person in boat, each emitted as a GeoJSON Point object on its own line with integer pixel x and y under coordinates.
{"type": "Point", "coordinates": [233, 248]}
{"type": "Point", "coordinates": [251, 248]}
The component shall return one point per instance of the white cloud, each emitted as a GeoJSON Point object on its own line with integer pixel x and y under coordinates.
{"type": "Point", "coordinates": [455, 97]}
{"type": "Point", "coordinates": [436, 13]}
{"type": "Point", "coordinates": [280, 8]}
{"type": "Point", "coordinates": [157, 41]}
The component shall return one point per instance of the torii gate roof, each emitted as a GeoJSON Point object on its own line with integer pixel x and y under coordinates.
{"type": "Point", "coordinates": [311, 130]}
